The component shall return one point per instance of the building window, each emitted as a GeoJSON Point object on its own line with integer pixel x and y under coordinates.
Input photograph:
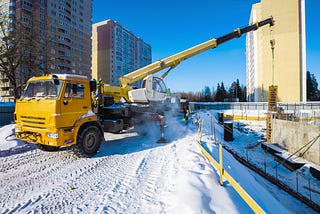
{"type": "Point", "coordinates": [27, 3]}
{"type": "Point", "coordinates": [42, 25]}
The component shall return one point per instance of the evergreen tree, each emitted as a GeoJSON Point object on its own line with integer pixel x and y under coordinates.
{"type": "Point", "coordinates": [221, 93]}
{"type": "Point", "coordinates": [312, 87]}
{"type": "Point", "coordinates": [206, 94]}
{"type": "Point", "coordinates": [243, 97]}
{"type": "Point", "coordinates": [239, 90]}
{"type": "Point", "coordinates": [235, 90]}
{"type": "Point", "coordinates": [218, 92]}
{"type": "Point", "coordinates": [213, 94]}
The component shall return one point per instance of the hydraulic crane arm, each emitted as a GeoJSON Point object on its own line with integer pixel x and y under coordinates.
{"type": "Point", "coordinates": [172, 61]}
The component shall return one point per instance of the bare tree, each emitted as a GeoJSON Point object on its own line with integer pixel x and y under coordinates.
{"type": "Point", "coordinates": [10, 57]}
{"type": "Point", "coordinates": [21, 52]}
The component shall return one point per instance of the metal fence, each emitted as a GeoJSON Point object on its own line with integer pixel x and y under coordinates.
{"type": "Point", "coordinates": [294, 181]}
{"type": "Point", "coordinates": [253, 106]}
{"type": "Point", "coordinates": [304, 188]}
{"type": "Point", "coordinates": [6, 112]}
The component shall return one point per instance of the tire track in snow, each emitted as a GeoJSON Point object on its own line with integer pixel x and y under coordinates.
{"type": "Point", "coordinates": [162, 163]}
{"type": "Point", "coordinates": [122, 189]}
{"type": "Point", "coordinates": [83, 175]}
{"type": "Point", "coordinates": [51, 182]}
{"type": "Point", "coordinates": [64, 179]}
{"type": "Point", "coordinates": [30, 173]}
{"type": "Point", "coordinates": [142, 183]}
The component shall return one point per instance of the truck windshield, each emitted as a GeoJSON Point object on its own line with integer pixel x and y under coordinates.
{"type": "Point", "coordinates": [46, 89]}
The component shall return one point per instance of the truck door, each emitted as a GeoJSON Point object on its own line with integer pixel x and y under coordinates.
{"type": "Point", "coordinates": [74, 103]}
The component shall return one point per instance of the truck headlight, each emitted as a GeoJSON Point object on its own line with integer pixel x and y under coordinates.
{"type": "Point", "coordinates": [53, 135]}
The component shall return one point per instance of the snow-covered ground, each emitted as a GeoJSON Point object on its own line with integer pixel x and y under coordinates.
{"type": "Point", "coordinates": [132, 174]}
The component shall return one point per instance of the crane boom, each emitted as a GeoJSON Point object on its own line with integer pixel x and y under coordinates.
{"type": "Point", "coordinates": [174, 60]}
{"type": "Point", "coordinates": [69, 110]}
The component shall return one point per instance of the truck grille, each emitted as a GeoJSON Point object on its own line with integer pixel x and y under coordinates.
{"type": "Point", "coordinates": [33, 122]}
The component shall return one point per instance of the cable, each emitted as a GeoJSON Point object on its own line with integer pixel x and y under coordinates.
{"type": "Point", "coordinates": [310, 142]}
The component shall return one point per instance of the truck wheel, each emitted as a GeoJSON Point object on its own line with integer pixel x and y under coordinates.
{"type": "Point", "coordinates": [88, 142]}
{"type": "Point", "coordinates": [47, 148]}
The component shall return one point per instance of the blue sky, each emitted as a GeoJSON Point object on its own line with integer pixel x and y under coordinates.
{"type": "Point", "coordinates": [172, 26]}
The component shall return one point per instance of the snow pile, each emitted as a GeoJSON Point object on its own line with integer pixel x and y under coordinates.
{"type": "Point", "coordinates": [9, 144]}
{"type": "Point", "coordinates": [6, 138]}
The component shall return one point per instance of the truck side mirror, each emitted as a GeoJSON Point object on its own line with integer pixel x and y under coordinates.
{"type": "Point", "coordinates": [93, 85]}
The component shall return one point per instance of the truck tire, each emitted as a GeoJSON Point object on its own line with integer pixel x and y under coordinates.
{"type": "Point", "coordinates": [88, 142]}
{"type": "Point", "coordinates": [47, 148]}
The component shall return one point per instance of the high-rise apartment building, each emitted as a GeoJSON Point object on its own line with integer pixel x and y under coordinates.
{"type": "Point", "coordinates": [288, 68]}
{"type": "Point", "coordinates": [116, 51]}
{"type": "Point", "coordinates": [61, 33]}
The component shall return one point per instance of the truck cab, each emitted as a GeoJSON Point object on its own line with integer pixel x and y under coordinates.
{"type": "Point", "coordinates": [54, 110]}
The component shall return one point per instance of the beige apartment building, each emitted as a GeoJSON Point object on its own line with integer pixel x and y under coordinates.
{"type": "Point", "coordinates": [287, 69]}
{"type": "Point", "coordinates": [116, 51]}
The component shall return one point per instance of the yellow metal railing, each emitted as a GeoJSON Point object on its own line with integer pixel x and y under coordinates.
{"type": "Point", "coordinates": [223, 173]}
{"type": "Point", "coordinates": [244, 117]}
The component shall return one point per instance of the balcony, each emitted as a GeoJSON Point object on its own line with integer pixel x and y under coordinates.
{"type": "Point", "coordinates": [27, 6]}
{"type": "Point", "coordinates": [5, 88]}
{"type": "Point", "coordinates": [4, 80]}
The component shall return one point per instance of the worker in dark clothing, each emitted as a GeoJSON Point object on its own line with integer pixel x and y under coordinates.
{"type": "Point", "coordinates": [186, 111]}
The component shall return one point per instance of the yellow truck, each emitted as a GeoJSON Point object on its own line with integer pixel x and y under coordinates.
{"type": "Point", "coordinates": [58, 110]}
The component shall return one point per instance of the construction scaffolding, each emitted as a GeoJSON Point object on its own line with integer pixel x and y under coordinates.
{"type": "Point", "coordinates": [272, 109]}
